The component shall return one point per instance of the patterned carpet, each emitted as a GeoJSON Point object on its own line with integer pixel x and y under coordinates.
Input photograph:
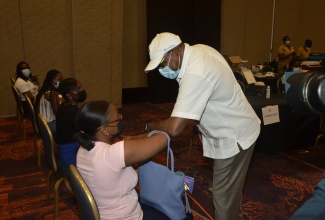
{"type": "Point", "coordinates": [275, 187]}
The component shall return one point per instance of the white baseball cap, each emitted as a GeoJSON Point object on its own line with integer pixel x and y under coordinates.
{"type": "Point", "coordinates": [161, 44]}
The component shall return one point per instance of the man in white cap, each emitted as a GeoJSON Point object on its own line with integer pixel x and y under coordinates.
{"type": "Point", "coordinates": [210, 96]}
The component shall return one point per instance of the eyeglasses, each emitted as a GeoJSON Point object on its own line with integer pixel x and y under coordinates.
{"type": "Point", "coordinates": [119, 118]}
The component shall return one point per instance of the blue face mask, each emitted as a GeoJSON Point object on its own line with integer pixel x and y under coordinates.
{"type": "Point", "coordinates": [26, 72]}
{"type": "Point", "coordinates": [168, 72]}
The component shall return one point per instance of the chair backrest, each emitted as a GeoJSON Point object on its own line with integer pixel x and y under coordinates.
{"type": "Point", "coordinates": [87, 205]}
{"type": "Point", "coordinates": [18, 100]}
{"type": "Point", "coordinates": [31, 114]}
{"type": "Point", "coordinates": [48, 142]}
{"type": "Point", "coordinates": [280, 86]}
{"type": "Point", "coordinates": [12, 80]}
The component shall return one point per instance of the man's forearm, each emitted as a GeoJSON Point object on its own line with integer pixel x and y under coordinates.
{"type": "Point", "coordinates": [173, 126]}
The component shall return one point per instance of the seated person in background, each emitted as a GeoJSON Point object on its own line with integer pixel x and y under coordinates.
{"type": "Point", "coordinates": [303, 52]}
{"type": "Point", "coordinates": [313, 208]}
{"type": "Point", "coordinates": [295, 65]}
{"type": "Point", "coordinates": [106, 165]}
{"type": "Point", "coordinates": [25, 83]}
{"type": "Point", "coordinates": [286, 53]}
{"type": "Point", "coordinates": [73, 93]}
{"type": "Point", "coordinates": [47, 100]}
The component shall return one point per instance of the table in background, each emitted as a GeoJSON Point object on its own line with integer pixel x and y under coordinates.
{"type": "Point", "coordinates": [269, 81]}
{"type": "Point", "coordinates": [292, 131]}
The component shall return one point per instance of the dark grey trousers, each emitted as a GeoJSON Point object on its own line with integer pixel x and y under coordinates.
{"type": "Point", "coordinates": [228, 182]}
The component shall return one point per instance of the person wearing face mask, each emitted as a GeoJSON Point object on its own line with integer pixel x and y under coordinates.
{"type": "Point", "coordinates": [303, 52]}
{"type": "Point", "coordinates": [295, 65]}
{"type": "Point", "coordinates": [25, 83]}
{"type": "Point", "coordinates": [47, 99]}
{"type": "Point", "coordinates": [286, 53]}
{"type": "Point", "coordinates": [73, 94]}
{"type": "Point", "coordinates": [105, 163]}
{"type": "Point", "coordinates": [210, 97]}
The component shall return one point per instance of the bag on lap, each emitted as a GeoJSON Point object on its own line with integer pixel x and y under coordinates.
{"type": "Point", "coordinates": [162, 188]}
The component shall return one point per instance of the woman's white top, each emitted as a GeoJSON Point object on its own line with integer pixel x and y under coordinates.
{"type": "Point", "coordinates": [25, 86]}
{"type": "Point", "coordinates": [46, 110]}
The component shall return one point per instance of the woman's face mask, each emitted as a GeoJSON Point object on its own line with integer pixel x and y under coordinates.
{"type": "Point", "coordinates": [119, 129]}
{"type": "Point", "coordinates": [26, 72]}
{"type": "Point", "coordinates": [81, 96]}
{"type": "Point", "coordinates": [296, 69]}
{"type": "Point", "coordinates": [56, 84]}
{"type": "Point", "coordinates": [288, 42]}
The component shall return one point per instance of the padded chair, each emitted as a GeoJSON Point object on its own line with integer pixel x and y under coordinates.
{"type": "Point", "coordinates": [21, 115]}
{"type": "Point", "coordinates": [12, 80]}
{"type": "Point", "coordinates": [87, 205]}
{"type": "Point", "coordinates": [319, 138]}
{"type": "Point", "coordinates": [280, 86]}
{"type": "Point", "coordinates": [56, 166]}
{"type": "Point", "coordinates": [37, 137]}
{"type": "Point", "coordinates": [321, 135]}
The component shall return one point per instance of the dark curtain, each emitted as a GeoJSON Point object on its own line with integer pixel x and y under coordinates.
{"type": "Point", "coordinates": [196, 22]}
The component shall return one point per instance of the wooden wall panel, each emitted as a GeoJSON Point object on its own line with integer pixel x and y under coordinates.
{"type": "Point", "coordinates": [246, 27]}
{"type": "Point", "coordinates": [233, 21]}
{"type": "Point", "coordinates": [311, 19]}
{"type": "Point", "coordinates": [92, 30]}
{"type": "Point", "coordinates": [11, 51]}
{"type": "Point", "coordinates": [82, 39]}
{"type": "Point", "coordinates": [258, 30]}
{"type": "Point", "coordinates": [135, 48]}
{"type": "Point", "coordinates": [286, 22]}
{"type": "Point", "coordinates": [117, 52]}
{"type": "Point", "coordinates": [46, 27]}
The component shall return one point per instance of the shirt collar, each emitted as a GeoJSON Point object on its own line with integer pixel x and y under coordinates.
{"type": "Point", "coordinates": [184, 66]}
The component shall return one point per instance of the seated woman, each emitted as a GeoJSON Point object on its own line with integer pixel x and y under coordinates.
{"type": "Point", "coordinates": [47, 100]}
{"type": "Point", "coordinates": [25, 83]}
{"type": "Point", "coordinates": [106, 165]}
{"type": "Point", "coordinates": [295, 65]}
{"type": "Point", "coordinates": [73, 93]}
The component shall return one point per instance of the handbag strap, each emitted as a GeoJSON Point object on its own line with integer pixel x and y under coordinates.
{"type": "Point", "coordinates": [169, 150]}
{"type": "Point", "coordinates": [187, 204]}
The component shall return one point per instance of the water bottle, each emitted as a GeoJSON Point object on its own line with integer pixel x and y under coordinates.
{"type": "Point", "coordinates": [268, 92]}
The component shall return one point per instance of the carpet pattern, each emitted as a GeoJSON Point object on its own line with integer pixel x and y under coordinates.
{"type": "Point", "coordinates": [275, 186]}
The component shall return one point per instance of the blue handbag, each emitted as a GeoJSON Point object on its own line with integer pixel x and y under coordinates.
{"type": "Point", "coordinates": [162, 188]}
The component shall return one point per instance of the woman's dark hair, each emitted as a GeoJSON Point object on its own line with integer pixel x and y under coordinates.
{"type": "Point", "coordinates": [284, 38]}
{"type": "Point", "coordinates": [308, 43]}
{"type": "Point", "coordinates": [47, 85]}
{"type": "Point", "coordinates": [67, 85]}
{"type": "Point", "coordinates": [90, 117]}
{"type": "Point", "coordinates": [292, 63]}
{"type": "Point", "coordinates": [19, 73]}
